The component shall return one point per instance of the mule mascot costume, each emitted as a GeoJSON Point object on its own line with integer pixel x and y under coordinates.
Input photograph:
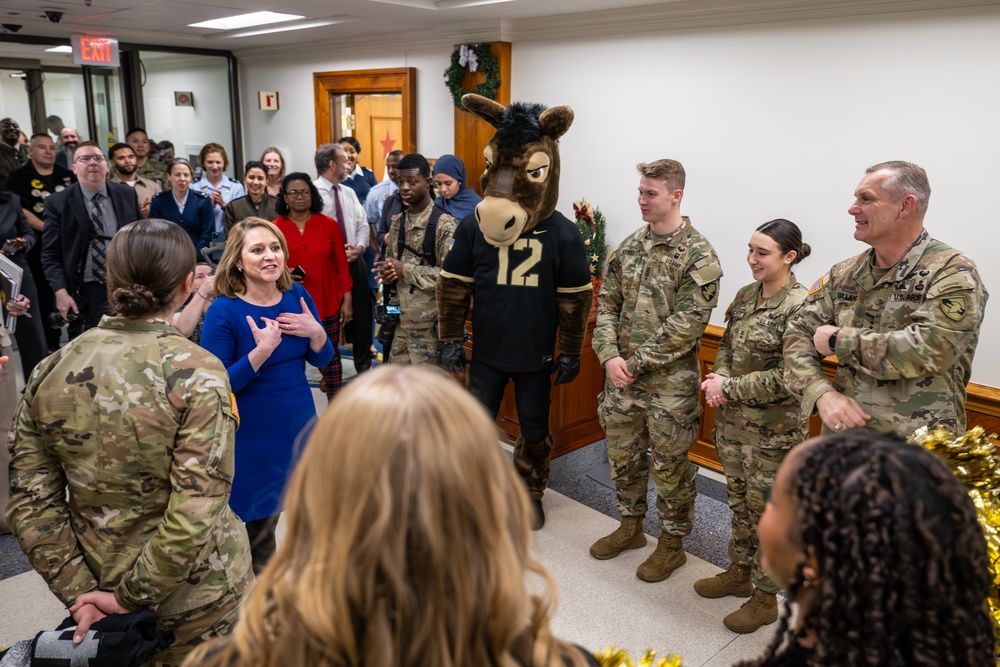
{"type": "Point", "coordinates": [527, 267]}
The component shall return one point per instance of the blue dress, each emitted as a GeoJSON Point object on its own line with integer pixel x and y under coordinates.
{"type": "Point", "coordinates": [274, 403]}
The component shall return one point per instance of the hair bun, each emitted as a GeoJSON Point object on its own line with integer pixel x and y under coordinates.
{"type": "Point", "coordinates": [804, 251]}
{"type": "Point", "coordinates": [135, 301]}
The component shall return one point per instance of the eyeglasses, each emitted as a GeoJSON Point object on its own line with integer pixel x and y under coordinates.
{"type": "Point", "coordinates": [84, 159]}
{"type": "Point", "coordinates": [297, 193]}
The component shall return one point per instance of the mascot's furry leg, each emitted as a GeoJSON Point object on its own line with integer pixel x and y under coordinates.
{"type": "Point", "coordinates": [532, 462]}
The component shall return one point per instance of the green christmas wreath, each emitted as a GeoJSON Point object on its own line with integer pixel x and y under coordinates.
{"type": "Point", "coordinates": [487, 64]}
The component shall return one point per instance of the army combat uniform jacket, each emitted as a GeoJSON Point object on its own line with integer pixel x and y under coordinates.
{"type": "Point", "coordinates": [417, 286]}
{"type": "Point", "coordinates": [907, 340]}
{"type": "Point", "coordinates": [652, 310]}
{"type": "Point", "coordinates": [750, 357]}
{"type": "Point", "coordinates": [136, 423]}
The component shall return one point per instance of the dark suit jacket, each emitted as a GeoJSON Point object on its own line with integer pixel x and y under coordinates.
{"type": "Point", "coordinates": [69, 231]}
{"type": "Point", "coordinates": [198, 219]}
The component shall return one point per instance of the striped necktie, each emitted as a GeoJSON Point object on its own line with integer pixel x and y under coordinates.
{"type": "Point", "coordinates": [340, 212]}
{"type": "Point", "coordinates": [99, 246]}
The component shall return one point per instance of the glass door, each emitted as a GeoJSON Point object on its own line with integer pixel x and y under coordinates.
{"type": "Point", "coordinates": [107, 107]}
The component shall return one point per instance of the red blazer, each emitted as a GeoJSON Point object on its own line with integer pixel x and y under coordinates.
{"type": "Point", "coordinates": [320, 252]}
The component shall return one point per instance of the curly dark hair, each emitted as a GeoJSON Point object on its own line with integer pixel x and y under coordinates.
{"type": "Point", "coordinates": [315, 200]}
{"type": "Point", "coordinates": [902, 559]}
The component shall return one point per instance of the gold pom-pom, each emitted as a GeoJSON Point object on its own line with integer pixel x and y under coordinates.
{"type": "Point", "coordinates": [612, 656]}
{"type": "Point", "coordinates": [973, 459]}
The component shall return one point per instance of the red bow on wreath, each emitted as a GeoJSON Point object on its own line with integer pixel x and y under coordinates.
{"type": "Point", "coordinates": [584, 212]}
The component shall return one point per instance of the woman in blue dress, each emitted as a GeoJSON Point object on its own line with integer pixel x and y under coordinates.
{"type": "Point", "coordinates": [264, 327]}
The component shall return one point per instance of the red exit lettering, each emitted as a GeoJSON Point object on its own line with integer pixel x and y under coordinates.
{"type": "Point", "coordinates": [96, 50]}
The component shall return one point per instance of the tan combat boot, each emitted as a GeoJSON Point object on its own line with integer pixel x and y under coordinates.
{"type": "Point", "coordinates": [734, 581]}
{"type": "Point", "coordinates": [760, 609]}
{"type": "Point", "coordinates": [628, 535]}
{"type": "Point", "coordinates": [668, 556]}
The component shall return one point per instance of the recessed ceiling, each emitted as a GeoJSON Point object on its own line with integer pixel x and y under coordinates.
{"type": "Point", "coordinates": [343, 22]}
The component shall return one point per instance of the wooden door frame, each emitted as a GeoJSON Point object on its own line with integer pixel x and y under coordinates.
{"type": "Point", "coordinates": [401, 80]}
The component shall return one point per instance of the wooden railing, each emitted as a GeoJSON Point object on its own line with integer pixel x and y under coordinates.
{"type": "Point", "coordinates": [574, 423]}
{"type": "Point", "coordinates": [982, 407]}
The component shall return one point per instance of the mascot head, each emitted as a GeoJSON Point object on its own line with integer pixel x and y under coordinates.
{"type": "Point", "coordinates": [521, 181]}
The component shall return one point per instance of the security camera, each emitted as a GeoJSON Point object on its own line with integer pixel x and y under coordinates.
{"type": "Point", "coordinates": [53, 16]}
{"type": "Point", "coordinates": [12, 27]}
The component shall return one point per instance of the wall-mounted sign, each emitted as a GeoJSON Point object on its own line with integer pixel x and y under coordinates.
{"type": "Point", "coordinates": [183, 98]}
{"type": "Point", "coordinates": [267, 101]}
{"type": "Point", "coordinates": [102, 51]}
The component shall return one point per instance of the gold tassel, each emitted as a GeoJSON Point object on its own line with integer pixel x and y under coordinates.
{"type": "Point", "coordinates": [613, 656]}
{"type": "Point", "coordinates": [973, 459]}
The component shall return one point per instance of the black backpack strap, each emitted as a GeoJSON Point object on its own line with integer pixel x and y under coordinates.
{"type": "Point", "coordinates": [430, 236]}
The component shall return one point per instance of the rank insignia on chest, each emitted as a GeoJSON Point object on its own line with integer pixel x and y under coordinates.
{"type": "Point", "coordinates": [953, 307]}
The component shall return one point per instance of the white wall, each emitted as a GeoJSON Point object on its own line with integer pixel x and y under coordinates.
{"type": "Point", "coordinates": [207, 121]}
{"type": "Point", "coordinates": [14, 100]}
{"type": "Point", "coordinates": [780, 121]}
{"type": "Point", "coordinates": [293, 127]}
{"type": "Point", "coordinates": [770, 120]}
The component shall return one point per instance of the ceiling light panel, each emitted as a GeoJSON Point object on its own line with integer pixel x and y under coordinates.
{"type": "Point", "coordinates": [246, 21]}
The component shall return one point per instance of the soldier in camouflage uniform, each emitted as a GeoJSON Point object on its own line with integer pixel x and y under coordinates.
{"type": "Point", "coordinates": [8, 400]}
{"type": "Point", "coordinates": [756, 421]}
{"type": "Point", "coordinates": [903, 318]}
{"type": "Point", "coordinates": [661, 286]}
{"type": "Point", "coordinates": [136, 424]}
{"type": "Point", "coordinates": [415, 274]}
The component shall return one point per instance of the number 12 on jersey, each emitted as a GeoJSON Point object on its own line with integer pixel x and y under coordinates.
{"type": "Point", "coordinates": [519, 276]}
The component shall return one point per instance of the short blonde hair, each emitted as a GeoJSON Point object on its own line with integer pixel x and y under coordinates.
{"type": "Point", "coordinates": [669, 171]}
{"type": "Point", "coordinates": [407, 545]}
{"type": "Point", "coordinates": [229, 278]}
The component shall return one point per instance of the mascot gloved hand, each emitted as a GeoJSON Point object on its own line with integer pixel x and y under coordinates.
{"type": "Point", "coordinates": [567, 366]}
{"type": "Point", "coordinates": [452, 356]}
{"type": "Point", "coordinates": [527, 266]}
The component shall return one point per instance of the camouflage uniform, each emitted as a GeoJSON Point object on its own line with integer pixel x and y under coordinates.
{"type": "Point", "coordinates": [908, 338]}
{"type": "Point", "coordinates": [652, 310]}
{"type": "Point", "coordinates": [416, 340]}
{"type": "Point", "coordinates": [8, 399]}
{"type": "Point", "coordinates": [760, 422]}
{"type": "Point", "coordinates": [137, 424]}
{"type": "Point", "coordinates": [154, 171]}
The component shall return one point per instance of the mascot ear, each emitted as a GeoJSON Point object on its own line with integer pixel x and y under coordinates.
{"type": "Point", "coordinates": [484, 107]}
{"type": "Point", "coordinates": [555, 121]}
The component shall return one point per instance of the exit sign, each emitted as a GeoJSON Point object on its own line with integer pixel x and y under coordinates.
{"type": "Point", "coordinates": [101, 51]}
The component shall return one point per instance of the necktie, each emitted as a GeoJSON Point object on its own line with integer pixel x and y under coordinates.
{"type": "Point", "coordinates": [340, 212]}
{"type": "Point", "coordinates": [99, 246]}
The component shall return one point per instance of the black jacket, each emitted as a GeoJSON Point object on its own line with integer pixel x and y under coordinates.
{"type": "Point", "coordinates": [69, 231]}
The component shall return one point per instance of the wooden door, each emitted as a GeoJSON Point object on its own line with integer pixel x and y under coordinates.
{"type": "Point", "coordinates": [401, 82]}
{"type": "Point", "coordinates": [378, 128]}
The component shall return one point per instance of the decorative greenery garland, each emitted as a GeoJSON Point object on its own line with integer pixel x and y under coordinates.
{"type": "Point", "coordinates": [488, 65]}
{"type": "Point", "coordinates": [592, 225]}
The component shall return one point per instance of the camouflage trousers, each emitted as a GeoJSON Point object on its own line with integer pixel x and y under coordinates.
{"type": "Point", "coordinates": [414, 346]}
{"type": "Point", "coordinates": [750, 471]}
{"type": "Point", "coordinates": [643, 438]}
{"type": "Point", "coordinates": [195, 626]}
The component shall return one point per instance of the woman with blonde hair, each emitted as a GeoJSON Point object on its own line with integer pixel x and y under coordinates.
{"type": "Point", "coordinates": [408, 551]}
{"type": "Point", "coordinates": [264, 328]}
{"type": "Point", "coordinates": [275, 163]}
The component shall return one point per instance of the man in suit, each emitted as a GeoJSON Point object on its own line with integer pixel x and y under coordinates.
{"type": "Point", "coordinates": [69, 139]}
{"type": "Point", "coordinates": [79, 223]}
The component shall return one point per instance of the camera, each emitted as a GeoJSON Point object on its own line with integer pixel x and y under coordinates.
{"type": "Point", "coordinates": [53, 16]}
{"type": "Point", "coordinates": [56, 320]}
{"type": "Point", "coordinates": [387, 314]}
